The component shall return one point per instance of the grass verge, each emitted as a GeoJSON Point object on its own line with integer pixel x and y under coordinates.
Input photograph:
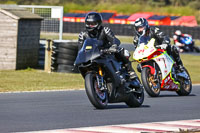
{"type": "Point", "coordinates": [34, 80]}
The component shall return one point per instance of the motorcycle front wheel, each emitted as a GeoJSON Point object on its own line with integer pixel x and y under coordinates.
{"type": "Point", "coordinates": [97, 97]}
{"type": "Point", "coordinates": [151, 85]}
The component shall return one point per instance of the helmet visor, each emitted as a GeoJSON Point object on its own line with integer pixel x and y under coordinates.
{"type": "Point", "coordinates": [91, 24]}
{"type": "Point", "coordinates": [140, 29]}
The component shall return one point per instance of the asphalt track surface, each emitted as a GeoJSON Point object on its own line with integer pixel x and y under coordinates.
{"type": "Point", "coordinates": [34, 111]}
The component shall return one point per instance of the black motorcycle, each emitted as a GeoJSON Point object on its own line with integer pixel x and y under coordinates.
{"type": "Point", "coordinates": [106, 79]}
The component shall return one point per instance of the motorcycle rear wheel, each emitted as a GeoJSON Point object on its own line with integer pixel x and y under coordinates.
{"type": "Point", "coordinates": [152, 88]}
{"type": "Point", "coordinates": [185, 89]}
{"type": "Point", "coordinates": [98, 98]}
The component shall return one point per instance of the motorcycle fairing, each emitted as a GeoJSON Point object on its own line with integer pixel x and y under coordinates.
{"type": "Point", "coordinates": [111, 67]}
{"type": "Point", "coordinates": [147, 51]}
{"type": "Point", "coordinates": [143, 51]}
{"type": "Point", "coordinates": [169, 83]}
{"type": "Point", "coordinates": [186, 40]}
{"type": "Point", "coordinates": [165, 64]}
{"type": "Point", "coordinates": [89, 51]}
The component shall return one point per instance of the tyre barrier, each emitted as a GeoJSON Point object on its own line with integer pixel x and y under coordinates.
{"type": "Point", "coordinates": [54, 65]}
{"type": "Point", "coordinates": [65, 53]}
{"type": "Point", "coordinates": [41, 54]}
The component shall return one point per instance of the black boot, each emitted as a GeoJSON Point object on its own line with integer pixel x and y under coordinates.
{"type": "Point", "coordinates": [133, 78]}
{"type": "Point", "coordinates": [180, 64]}
{"type": "Point", "coordinates": [131, 72]}
{"type": "Point", "coordinates": [177, 58]}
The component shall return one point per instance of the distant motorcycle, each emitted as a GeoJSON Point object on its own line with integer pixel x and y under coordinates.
{"type": "Point", "coordinates": [188, 44]}
{"type": "Point", "coordinates": [159, 71]}
{"type": "Point", "coordinates": [106, 80]}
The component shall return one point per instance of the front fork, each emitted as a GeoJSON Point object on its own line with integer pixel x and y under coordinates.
{"type": "Point", "coordinates": [100, 80]}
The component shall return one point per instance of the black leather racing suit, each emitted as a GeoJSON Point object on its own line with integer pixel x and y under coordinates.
{"type": "Point", "coordinates": [104, 34]}
{"type": "Point", "coordinates": [161, 38]}
{"type": "Point", "coordinates": [107, 36]}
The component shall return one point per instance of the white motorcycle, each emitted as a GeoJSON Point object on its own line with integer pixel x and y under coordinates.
{"type": "Point", "coordinates": [159, 71]}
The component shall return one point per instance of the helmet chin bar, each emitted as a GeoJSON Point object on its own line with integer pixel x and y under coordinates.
{"type": "Point", "coordinates": [90, 29]}
{"type": "Point", "coordinates": [143, 33]}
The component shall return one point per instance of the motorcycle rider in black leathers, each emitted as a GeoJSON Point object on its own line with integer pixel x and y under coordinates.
{"type": "Point", "coordinates": [94, 29]}
{"type": "Point", "coordinates": [142, 28]}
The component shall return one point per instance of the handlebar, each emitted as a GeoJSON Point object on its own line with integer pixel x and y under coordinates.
{"type": "Point", "coordinates": [107, 51]}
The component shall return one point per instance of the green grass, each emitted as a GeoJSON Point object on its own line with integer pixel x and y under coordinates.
{"type": "Point", "coordinates": [34, 80]}
{"type": "Point", "coordinates": [191, 62]}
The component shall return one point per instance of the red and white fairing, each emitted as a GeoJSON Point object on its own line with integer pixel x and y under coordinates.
{"type": "Point", "coordinates": [145, 52]}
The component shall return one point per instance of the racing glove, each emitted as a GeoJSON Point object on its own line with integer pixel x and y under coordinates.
{"type": "Point", "coordinates": [162, 46]}
{"type": "Point", "coordinates": [113, 48]}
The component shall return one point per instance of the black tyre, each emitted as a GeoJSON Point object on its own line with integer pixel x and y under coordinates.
{"type": "Point", "coordinates": [66, 56]}
{"type": "Point", "coordinates": [40, 57]}
{"type": "Point", "coordinates": [67, 51]}
{"type": "Point", "coordinates": [98, 98]}
{"type": "Point", "coordinates": [65, 62]}
{"type": "Point", "coordinates": [68, 45]}
{"type": "Point", "coordinates": [185, 86]}
{"type": "Point", "coordinates": [41, 53]}
{"type": "Point", "coordinates": [136, 98]}
{"type": "Point", "coordinates": [151, 87]}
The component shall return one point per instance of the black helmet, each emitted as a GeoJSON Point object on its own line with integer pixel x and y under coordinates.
{"type": "Point", "coordinates": [141, 26]}
{"type": "Point", "coordinates": [93, 21]}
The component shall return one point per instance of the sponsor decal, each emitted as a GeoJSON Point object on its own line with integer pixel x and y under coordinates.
{"type": "Point", "coordinates": [169, 84]}
{"type": "Point", "coordinates": [88, 47]}
{"type": "Point", "coordinates": [165, 71]}
{"type": "Point", "coordinates": [141, 51]}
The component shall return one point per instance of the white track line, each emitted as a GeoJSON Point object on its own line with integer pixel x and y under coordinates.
{"type": "Point", "coordinates": [153, 127]}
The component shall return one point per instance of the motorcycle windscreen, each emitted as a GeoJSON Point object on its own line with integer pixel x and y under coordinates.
{"type": "Point", "coordinates": [143, 40]}
{"type": "Point", "coordinates": [144, 49]}
{"type": "Point", "coordinates": [89, 51]}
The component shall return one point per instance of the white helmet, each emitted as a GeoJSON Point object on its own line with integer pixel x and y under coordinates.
{"type": "Point", "coordinates": [141, 26]}
{"type": "Point", "coordinates": [178, 32]}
